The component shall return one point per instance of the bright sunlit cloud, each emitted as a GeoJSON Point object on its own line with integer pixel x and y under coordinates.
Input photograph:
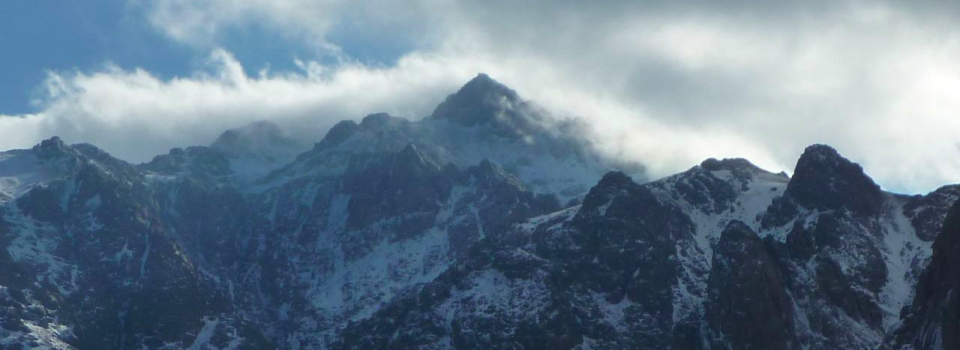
{"type": "Point", "coordinates": [663, 83]}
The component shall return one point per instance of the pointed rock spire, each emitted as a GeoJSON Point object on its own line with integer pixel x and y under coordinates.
{"type": "Point", "coordinates": [483, 100]}
{"type": "Point", "coordinates": [826, 180]}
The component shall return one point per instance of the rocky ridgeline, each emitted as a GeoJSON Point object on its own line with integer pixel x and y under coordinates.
{"type": "Point", "coordinates": [487, 225]}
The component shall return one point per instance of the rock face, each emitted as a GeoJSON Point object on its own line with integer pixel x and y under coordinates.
{"type": "Point", "coordinates": [748, 305]}
{"type": "Point", "coordinates": [603, 275]}
{"type": "Point", "coordinates": [933, 320]}
{"type": "Point", "coordinates": [721, 256]}
{"type": "Point", "coordinates": [825, 180]}
{"type": "Point", "coordinates": [89, 263]}
{"type": "Point", "coordinates": [927, 213]}
{"type": "Point", "coordinates": [487, 225]}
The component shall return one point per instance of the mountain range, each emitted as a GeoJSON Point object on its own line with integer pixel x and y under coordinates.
{"type": "Point", "coordinates": [489, 224]}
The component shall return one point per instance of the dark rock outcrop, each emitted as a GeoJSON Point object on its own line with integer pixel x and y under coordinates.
{"type": "Point", "coordinates": [487, 103]}
{"type": "Point", "coordinates": [823, 179]}
{"type": "Point", "coordinates": [927, 212]}
{"type": "Point", "coordinates": [748, 305]}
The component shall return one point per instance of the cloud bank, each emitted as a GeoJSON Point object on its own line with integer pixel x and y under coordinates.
{"type": "Point", "coordinates": [135, 115]}
{"type": "Point", "coordinates": [666, 83]}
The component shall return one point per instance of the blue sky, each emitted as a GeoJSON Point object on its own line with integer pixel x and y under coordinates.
{"type": "Point", "coordinates": [49, 35]}
{"type": "Point", "coordinates": [66, 35]}
{"type": "Point", "coordinates": [665, 83]}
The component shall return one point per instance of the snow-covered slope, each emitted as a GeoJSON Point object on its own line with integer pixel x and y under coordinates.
{"type": "Point", "coordinates": [22, 170]}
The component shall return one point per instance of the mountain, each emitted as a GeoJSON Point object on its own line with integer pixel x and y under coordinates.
{"type": "Point", "coordinates": [89, 263]}
{"type": "Point", "coordinates": [245, 243]}
{"type": "Point", "coordinates": [244, 154]}
{"type": "Point", "coordinates": [725, 255]}
{"type": "Point", "coordinates": [489, 224]}
{"type": "Point", "coordinates": [483, 120]}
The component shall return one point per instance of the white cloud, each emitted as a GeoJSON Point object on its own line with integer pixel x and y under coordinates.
{"type": "Point", "coordinates": [135, 115]}
{"type": "Point", "coordinates": [203, 23]}
{"type": "Point", "coordinates": [669, 84]}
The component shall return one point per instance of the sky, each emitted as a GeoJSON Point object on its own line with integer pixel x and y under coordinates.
{"type": "Point", "coordinates": [666, 83]}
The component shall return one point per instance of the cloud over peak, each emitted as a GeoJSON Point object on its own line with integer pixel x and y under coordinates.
{"type": "Point", "coordinates": [666, 83]}
{"type": "Point", "coordinates": [135, 115]}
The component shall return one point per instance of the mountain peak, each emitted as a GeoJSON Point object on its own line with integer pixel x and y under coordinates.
{"type": "Point", "coordinates": [732, 164]}
{"type": "Point", "coordinates": [484, 83]}
{"type": "Point", "coordinates": [824, 179]}
{"type": "Point", "coordinates": [822, 153]}
{"type": "Point", "coordinates": [480, 101]}
{"type": "Point", "coordinates": [338, 133]}
{"type": "Point", "coordinates": [262, 130]}
{"type": "Point", "coordinates": [615, 179]}
{"type": "Point", "coordinates": [51, 148]}
{"type": "Point", "coordinates": [377, 121]}
{"type": "Point", "coordinates": [491, 172]}
{"type": "Point", "coordinates": [261, 139]}
{"type": "Point", "coordinates": [819, 160]}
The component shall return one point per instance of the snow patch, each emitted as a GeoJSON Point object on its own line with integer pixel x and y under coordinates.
{"type": "Point", "coordinates": [206, 333]}
{"type": "Point", "coordinates": [902, 252]}
{"type": "Point", "coordinates": [21, 171]}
